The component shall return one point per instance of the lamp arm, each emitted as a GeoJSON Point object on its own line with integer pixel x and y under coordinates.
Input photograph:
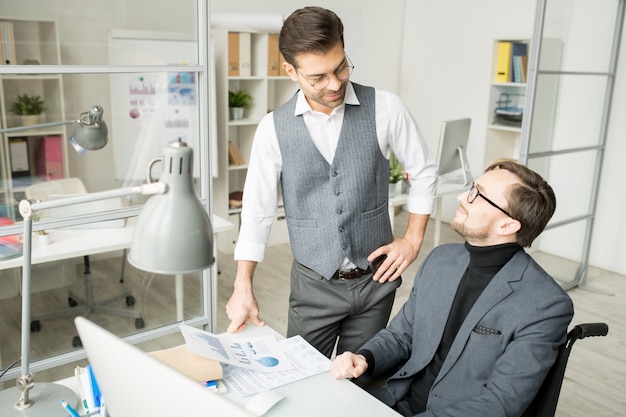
{"type": "Point", "coordinates": [27, 207]}
{"type": "Point", "coordinates": [38, 126]}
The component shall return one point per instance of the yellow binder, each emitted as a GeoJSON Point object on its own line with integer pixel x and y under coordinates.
{"type": "Point", "coordinates": [503, 62]}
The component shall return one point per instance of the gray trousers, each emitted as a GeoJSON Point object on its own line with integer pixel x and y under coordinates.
{"type": "Point", "coordinates": [351, 310]}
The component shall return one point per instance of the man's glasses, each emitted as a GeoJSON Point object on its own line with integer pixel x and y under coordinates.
{"type": "Point", "coordinates": [473, 193]}
{"type": "Point", "coordinates": [342, 73]}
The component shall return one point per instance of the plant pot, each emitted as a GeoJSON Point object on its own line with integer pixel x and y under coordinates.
{"type": "Point", "coordinates": [395, 189]}
{"type": "Point", "coordinates": [236, 113]}
{"type": "Point", "coordinates": [30, 119]}
{"type": "Point", "coordinates": [43, 239]}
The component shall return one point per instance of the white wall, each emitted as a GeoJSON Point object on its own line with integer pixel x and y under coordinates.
{"type": "Point", "coordinates": [446, 71]}
{"type": "Point", "coordinates": [435, 54]}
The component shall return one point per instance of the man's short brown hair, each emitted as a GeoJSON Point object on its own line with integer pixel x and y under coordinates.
{"type": "Point", "coordinates": [310, 29]}
{"type": "Point", "coordinates": [532, 202]}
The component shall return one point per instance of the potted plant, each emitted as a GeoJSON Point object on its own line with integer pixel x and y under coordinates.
{"type": "Point", "coordinates": [238, 101]}
{"type": "Point", "coordinates": [396, 175]}
{"type": "Point", "coordinates": [42, 235]}
{"type": "Point", "coordinates": [29, 108]}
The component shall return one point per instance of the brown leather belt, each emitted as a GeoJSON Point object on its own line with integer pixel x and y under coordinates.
{"type": "Point", "coordinates": [350, 273]}
{"type": "Point", "coordinates": [358, 272]}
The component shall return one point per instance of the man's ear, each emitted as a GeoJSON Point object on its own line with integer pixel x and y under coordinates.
{"type": "Point", "coordinates": [508, 226]}
{"type": "Point", "coordinates": [291, 71]}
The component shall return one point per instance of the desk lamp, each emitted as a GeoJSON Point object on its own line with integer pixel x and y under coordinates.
{"type": "Point", "coordinates": [90, 133]}
{"type": "Point", "coordinates": [173, 234]}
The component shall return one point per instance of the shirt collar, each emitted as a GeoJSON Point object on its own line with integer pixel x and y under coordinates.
{"type": "Point", "coordinates": [302, 106]}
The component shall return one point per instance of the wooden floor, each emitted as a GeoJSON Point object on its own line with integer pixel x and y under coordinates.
{"type": "Point", "coordinates": [595, 377]}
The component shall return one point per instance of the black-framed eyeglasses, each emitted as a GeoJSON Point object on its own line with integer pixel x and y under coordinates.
{"type": "Point", "coordinates": [342, 73]}
{"type": "Point", "coordinates": [473, 192]}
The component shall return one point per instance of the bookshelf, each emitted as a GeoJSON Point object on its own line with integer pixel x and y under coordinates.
{"type": "Point", "coordinates": [23, 154]}
{"type": "Point", "coordinates": [258, 58]}
{"type": "Point", "coordinates": [503, 137]}
{"type": "Point", "coordinates": [507, 90]}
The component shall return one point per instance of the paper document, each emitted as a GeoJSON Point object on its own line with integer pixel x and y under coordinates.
{"type": "Point", "coordinates": [306, 359]}
{"type": "Point", "coordinates": [253, 365]}
{"type": "Point", "coordinates": [258, 353]}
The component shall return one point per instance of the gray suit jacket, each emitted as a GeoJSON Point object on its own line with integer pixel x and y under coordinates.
{"type": "Point", "coordinates": [503, 350]}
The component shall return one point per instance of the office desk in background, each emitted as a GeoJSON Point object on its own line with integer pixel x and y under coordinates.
{"type": "Point", "coordinates": [66, 244]}
{"type": "Point", "coordinates": [319, 395]}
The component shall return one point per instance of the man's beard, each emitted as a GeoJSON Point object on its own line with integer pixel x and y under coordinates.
{"type": "Point", "coordinates": [469, 234]}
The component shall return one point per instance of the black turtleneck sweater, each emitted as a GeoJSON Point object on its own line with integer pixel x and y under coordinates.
{"type": "Point", "coordinates": [485, 262]}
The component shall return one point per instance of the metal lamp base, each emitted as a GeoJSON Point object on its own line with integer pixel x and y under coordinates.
{"type": "Point", "coordinates": [46, 399]}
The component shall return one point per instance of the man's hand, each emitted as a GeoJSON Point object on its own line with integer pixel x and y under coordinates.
{"type": "Point", "coordinates": [402, 251]}
{"type": "Point", "coordinates": [348, 365]}
{"type": "Point", "coordinates": [243, 305]}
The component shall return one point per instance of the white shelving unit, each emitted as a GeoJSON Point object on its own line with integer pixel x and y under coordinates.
{"type": "Point", "coordinates": [268, 92]}
{"type": "Point", "coordinates": [35, 42]}
{"type": "Point", "coordinates": [503, 140]}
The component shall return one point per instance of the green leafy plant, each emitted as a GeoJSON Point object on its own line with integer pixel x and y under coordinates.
{"type": "Point", "coordinates": [240, 98]}
{"type": "Point", "coordinates": [25, 104]}
{"type": "Point", "coordinates": [36, 218]}
{"type": "Point", "coordinates": [396, 171]}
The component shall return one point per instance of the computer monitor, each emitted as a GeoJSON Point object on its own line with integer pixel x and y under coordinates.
{"type": "Point", "coordinates": [451, 156]}
{"type": "Point", "coordinates": [135, 384]}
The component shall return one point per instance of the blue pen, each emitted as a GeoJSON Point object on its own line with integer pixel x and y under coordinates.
{"type": "Point", "coordinates": [69, 409]}
{"type": "Point", "coordinates": [94, 386]}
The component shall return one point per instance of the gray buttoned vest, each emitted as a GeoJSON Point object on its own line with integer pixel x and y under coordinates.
{"type": "Point", "coordinates": [334, 211]}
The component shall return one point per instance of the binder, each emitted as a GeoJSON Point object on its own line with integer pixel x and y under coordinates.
{"type": "Point", "coordinates": [518, 50]}
{"type": "Point", "coordinates": [233, 54]}
{"type": "Point", "coordinates": [273, 56]}
{"type": "Point", "coordinates": [503, 62]}
{"type": "Point", "coordinates": [50, 158]}
{"type": "Point", "coordinates": [245, 54]}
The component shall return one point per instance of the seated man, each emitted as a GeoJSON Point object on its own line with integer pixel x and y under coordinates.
{"type": "Point", "coordinates": [483, 323]}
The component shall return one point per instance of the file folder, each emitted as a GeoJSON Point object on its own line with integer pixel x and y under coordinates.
{"type": "Point", "coordinates": [503, 62]}
{"type": "Point", "coordinates": [233, 53]}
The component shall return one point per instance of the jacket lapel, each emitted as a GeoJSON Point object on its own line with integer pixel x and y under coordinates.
{"type": "Point", "coordinates": [498, 289]}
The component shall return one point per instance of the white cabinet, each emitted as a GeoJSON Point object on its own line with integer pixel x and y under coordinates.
{"type": "Point", "coordinates": [33, 155]}
{"type": "Point", "coordinates": [268, 91]}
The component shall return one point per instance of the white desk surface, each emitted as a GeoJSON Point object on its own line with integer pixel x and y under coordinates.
{"type": "Point", "coordinates": [65, 243]}
{"type": "Point", "coordinates": [319, 395]}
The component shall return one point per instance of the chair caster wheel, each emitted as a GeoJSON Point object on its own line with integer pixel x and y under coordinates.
{"type": "Point", "coordinates": [35, 326]}
{"type": "Point", "coordinates": [71, 302]}
{"type": "Point", "coordinates": [76, 342]}
{"type": "Point", "coordinates": [139, 323]}
{"type": "Point", "coordinates": [130, 301]}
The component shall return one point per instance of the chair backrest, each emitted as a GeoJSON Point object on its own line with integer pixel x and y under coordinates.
{"type": "Point", "coordinates": [544, 404]}
{"type": "Point", "coordinates": [42, 190]}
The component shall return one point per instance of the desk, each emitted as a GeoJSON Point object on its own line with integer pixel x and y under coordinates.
{"type": "Point", "coordinates": [443, 189]}
{"type": "Point", "coordinates": [74, 243]}
{"type": "Point", "coordinates": [319, 395]}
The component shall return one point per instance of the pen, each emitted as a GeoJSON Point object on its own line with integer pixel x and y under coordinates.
{"type": "Point", "coordinates": [69, 409]}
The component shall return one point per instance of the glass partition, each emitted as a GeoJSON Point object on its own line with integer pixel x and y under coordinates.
{"type": "Point", "coordinates": [145, 64]}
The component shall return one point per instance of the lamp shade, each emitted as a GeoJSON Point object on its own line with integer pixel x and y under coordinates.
{"type": "Point", "coordinates": [91, 132]}
{"type": "Point", "coordinates": [173, 234]}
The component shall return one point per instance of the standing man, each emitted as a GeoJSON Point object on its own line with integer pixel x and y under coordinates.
{"type": "Point", "coordinates": [483, 323]}
{"type": "Point", "coordinates": [328, 148]}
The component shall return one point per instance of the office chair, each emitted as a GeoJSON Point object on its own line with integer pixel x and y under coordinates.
{"type": "Point", "coordinates": [77, 305]}
{"type": "Point", "coordinates": [544, 404]}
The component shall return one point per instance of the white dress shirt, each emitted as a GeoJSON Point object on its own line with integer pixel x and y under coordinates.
{"type": "Point", "coordinates": [395, 129]}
